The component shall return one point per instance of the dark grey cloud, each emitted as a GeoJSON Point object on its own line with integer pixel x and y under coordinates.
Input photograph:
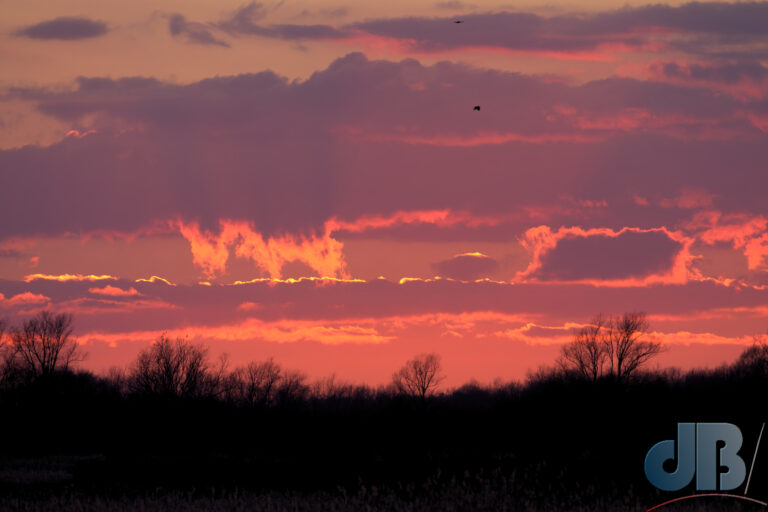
{"type": "Point", "coordinates": [520, 31]}
{"type": "Point", "coordinates": [721, 18]}
{"type": "Point", "coordinates": [65, 28]}
{"type": "Point", "coordinates": [331, 12]}
{"type": "Point", "coordinates": [193, 32]}
{"type": "Point", "coordinates": [703, 28]}
{"type": "Point", "coordinates": [467, 267]}
{"type": "Point", "coordinates": [700, 24]}
{"type": "Point", "coordinates": [10, 253]}
{"type": "Point", "coordinates": [218, 304]}
{"type": "Point", "coordinates": [245, 21]}
{"type": "Point", "coordinates": [244, 18]}
{"type": "Point", "coordinates": [630, 254]}
{"type": "Point", "coordinates": [349, 141]}
{"type": "Point", "coordinates": [725, 73]}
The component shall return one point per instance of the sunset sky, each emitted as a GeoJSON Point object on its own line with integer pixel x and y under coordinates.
{"type": "Point", "coordinates": [307, 179]}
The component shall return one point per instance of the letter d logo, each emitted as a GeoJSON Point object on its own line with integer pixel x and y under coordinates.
{"type": "Point", "coordinates": [665, 450]}
{"type": "Point", "coordinates": [697, 454]}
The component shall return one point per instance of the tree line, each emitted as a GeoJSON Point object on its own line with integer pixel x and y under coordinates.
{"type": "Point", "coordinates": [43, 346]}
{"type": "Point", "coordinates": [177, 415]}
{"type": "Point", "coordinates": [609, 347]}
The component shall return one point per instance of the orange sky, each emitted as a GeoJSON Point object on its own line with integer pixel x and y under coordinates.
{"type": "Point", "coordinates": [308, 180]}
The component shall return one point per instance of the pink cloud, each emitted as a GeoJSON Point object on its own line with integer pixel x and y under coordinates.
{"type": "Point", "coordinates": [24, 299]}
{"type": "Point", "coordinates": [745, 232]}
{"type": "Point", "coordinates": [690, 198]}
{"type": "Point", "coordinates": [249, 306]}
{"type": "Point", "coordinates": [114, 291]}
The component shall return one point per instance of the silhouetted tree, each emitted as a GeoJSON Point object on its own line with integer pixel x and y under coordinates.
{"type": "Point", "coordinates": [176, 368]}
{"type": "Point", "coordinates": [587, 354]}
{"type": "Point", "coordinates": [627, 348]}
{"type": "Point", "coordinates": [256, 384]}
{"type": "Point", "coordinates": [266, 383]}
{"type": "Point", "coordinates": [6, 366]}
{"type": "Point", "coordinates": [332, 388]}
{"type": "Point", "coordinates": [43, 345]}
{"type": "Point", "coordinates": [292, 387]}
{"type": "Point", "coordinates": [753, 361]}
{"type": "Point", "coordinates": [610, 346]}
{"type": "Point", "coordinates": [117, 377]}
{"type": "Point", "coordinates": [420, 376]}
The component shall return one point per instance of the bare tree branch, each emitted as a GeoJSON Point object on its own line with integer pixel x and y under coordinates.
{"type": "Point", "coordinates": [44, 344]}
{"type": "Point", "coordinates": [256, 384]}
{"type": "Point", "coordinates": [613, 346]}
{"type": "Point", "coordinates": [420, 376]}
{"type": "Point", "coordinates": [176, 368]}
{"type": "Point", "coordinates": [586, 354]}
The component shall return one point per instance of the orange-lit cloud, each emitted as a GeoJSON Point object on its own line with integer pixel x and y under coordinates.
{"type": "Point", "coordinates": [24, 299]}
{"type": "Point", "coordinates": [249, 306]}
{"type": "Point", "coordinates": [69, 277]}
{"type": "Point", "coordinates": [475, 325]}
{"type": "Point", "coordinates": [321, 252]}
{"type": "Point", "coordinates": [467, 266]}
{"type": "Point", "coordinates": [155, 279]}
{"type": "Point", "coordinates": [701, 338]}
{"type": "Point", "coordinates": [304, 279]}
{"type": "Point", "coordinates": [714, 313]}
{"type": "Point", "coordinates": [114, 291]}
{"type": "Point", "coordinates": [538, 334]}
{"type": "Point", "coordinates": [441, 218]}
{"type": "Point", "coordinates": [329, 332]}
{"type": "Point", "coordinates": [482, 139]}
{"type": "Point", "coordinates": [744, 232]}
{"type": "Point", "coordinates": [88, 306]}
{"type": "Point", "coordinates": [79, 135]}
{"type": "Point", "coordinates": [284, 331]}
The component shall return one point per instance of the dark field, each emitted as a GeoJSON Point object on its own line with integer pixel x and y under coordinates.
{"type": "Point", "coordinates": [76, 442]}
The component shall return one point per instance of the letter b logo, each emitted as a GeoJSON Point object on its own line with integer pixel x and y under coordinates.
{"type": "Point", "coordinates": [698, 454]}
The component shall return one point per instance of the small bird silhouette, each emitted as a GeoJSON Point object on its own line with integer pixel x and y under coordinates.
{"type": "Point", "coordinates": [459, 21]}
{"type": "Point", "coordinates": [477, 107]}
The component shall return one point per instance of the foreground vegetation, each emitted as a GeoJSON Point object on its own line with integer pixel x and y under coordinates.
{"type": "Point", "coordinates": [176, 430]}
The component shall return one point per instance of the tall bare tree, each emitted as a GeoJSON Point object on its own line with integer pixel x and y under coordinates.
{"type": "Point", "coordinates": [628, 347]}
{"type": "Point", "coordinates": [177, 368]}
{"type": "Point", "coordinates": [613, 346]}
{"type": "Point", "coordinates": [44, 344]}
{"type": "Point", "coordinates": [587, 352]}
{"type": "Point", "coordinates": [420, 376]}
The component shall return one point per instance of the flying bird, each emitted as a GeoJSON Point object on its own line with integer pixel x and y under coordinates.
{"type": "Point", "coordinates": [477, 107]}
{"type": "Point", "coordinates": [459, 21]}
